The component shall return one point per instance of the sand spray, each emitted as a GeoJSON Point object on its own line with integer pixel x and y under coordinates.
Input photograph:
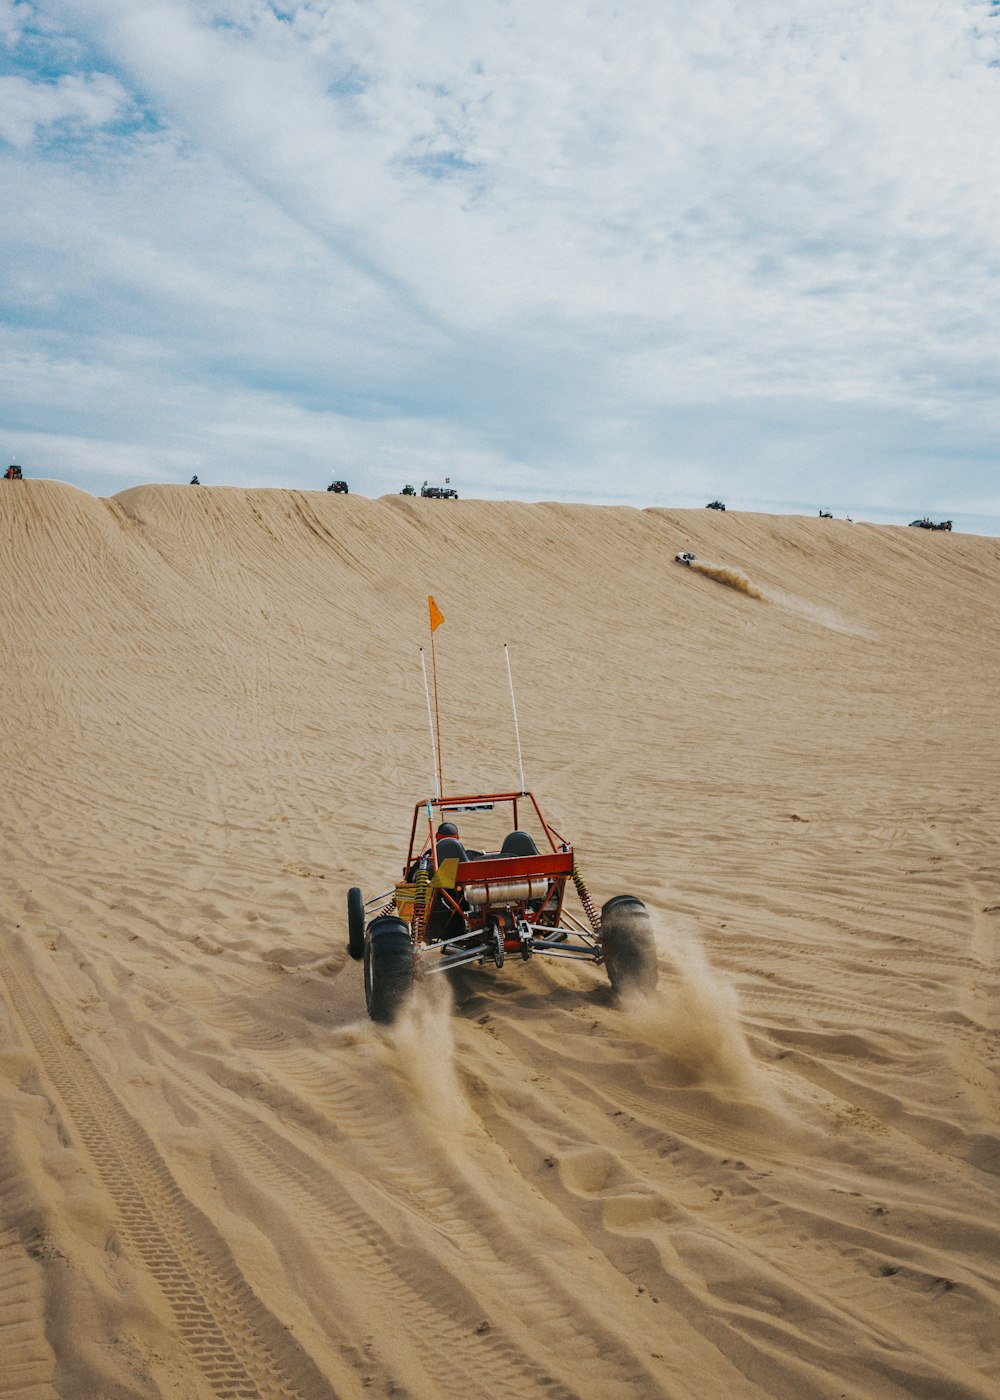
{"type": "Point", "coordinates": [693, 1015]}
{"type": "Point", "coordinates": [732, 578]}
{"type": "Point", "coordinates": [423, 1039]}
{"type": "Point", "coordinates": [822, 616]}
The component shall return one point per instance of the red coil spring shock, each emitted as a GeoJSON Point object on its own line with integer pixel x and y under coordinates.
{"type": "Point", "coordinates": [590, 908]}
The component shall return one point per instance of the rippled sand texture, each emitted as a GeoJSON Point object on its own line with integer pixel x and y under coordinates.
{"type": "Point", "coordinates": [777, 1177]}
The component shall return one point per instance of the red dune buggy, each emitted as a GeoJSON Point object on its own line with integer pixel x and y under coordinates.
{"type": "Point", "coordinates": [454, 905]}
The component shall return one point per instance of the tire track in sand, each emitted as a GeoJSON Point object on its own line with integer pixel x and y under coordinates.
{"type": "Point", "coordinates": [437, 1299]}
{"type": "Point", "coordinates": [241, 1349]}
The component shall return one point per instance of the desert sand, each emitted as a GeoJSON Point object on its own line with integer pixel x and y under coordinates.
{"type": "Point", "coordinates": [775, 1177]}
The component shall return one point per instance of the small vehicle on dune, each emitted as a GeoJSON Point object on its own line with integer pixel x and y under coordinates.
{"type": "Point", "coordinates": [454, 906]}
{"type": "Point", "coordinates": [926, 523]}
{"type": "Point", "coordinates": [439, 493]}
{"type": "Point", "coordinates": [685, 557]}
{"type": "Point", "coordinates": [715, 505]}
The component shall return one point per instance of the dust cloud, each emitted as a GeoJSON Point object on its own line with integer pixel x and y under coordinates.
{"type": "Point", "coordinates": [822, 616]}
{"type": "Point", "coordinates": [693, 1016]}
{"type": "Point", "coordinates": [423, 1041]}
{"type": "Point", "coordinates": [732, 578]}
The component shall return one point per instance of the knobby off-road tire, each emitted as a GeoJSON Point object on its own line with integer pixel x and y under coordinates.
{"type": "Point", "coordinates": [388, 968]}
{"type": "Point", "coordinates": [629, 949]}
{"type": "Point", "coordinates": [355, 923]}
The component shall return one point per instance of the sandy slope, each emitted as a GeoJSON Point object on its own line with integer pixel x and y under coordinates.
{"type": "Point", "coordinates": [217, 1178]}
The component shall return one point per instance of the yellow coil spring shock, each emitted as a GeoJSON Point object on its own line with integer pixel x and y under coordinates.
{"type": "Point", "coordinates": [419, 901]}
{"type": "Point", "coordinates": [589, 906]}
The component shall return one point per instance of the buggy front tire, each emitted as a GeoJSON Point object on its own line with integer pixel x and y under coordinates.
{"type": "Point", "coordinates": [355, 923]}
{"type": "Point", "coordinates": [629, 948]}
{"type": "Point", "coordinates": [388, 954]}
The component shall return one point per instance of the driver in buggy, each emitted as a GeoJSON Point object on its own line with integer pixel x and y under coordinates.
{"type": "Point", "coordinates": [447, 836]}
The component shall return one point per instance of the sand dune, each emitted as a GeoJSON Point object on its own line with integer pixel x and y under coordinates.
{"type": "Point", "coordinates": [778, 1177]}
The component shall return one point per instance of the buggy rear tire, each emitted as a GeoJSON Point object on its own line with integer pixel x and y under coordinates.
{"type": "Point", "coordinates": [388, 954]}
{"type": "Point", "coordinates": [355, 923]}
{"type": "Point", "coordinates": [629, 948]}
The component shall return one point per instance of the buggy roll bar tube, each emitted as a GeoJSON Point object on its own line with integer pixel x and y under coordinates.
{"type": "Point", "coordinates": [442, 804]}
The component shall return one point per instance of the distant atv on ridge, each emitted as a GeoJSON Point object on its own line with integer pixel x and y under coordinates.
{"type": "Point", "coordinates": [926, 523]}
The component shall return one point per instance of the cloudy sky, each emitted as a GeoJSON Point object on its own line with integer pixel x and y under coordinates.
{"type": "Point", "coordinates": [648, 253]}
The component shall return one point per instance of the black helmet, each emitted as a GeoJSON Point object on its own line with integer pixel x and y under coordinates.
{"type": "Point", "coordinates": [447, 829]}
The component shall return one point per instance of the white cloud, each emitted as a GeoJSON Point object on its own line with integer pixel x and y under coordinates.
{"type": "Point", "coordinates": [12, 17]}
{"type": "Point", "coordinates": [72, 102]}
{"type": "Point", "coordinates": [563, 240]}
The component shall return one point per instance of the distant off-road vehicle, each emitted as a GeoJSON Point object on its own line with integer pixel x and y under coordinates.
{"type": "Point", "coordinates": [685, 557]}
{"type": "Point", "coordinates": [13, 473]}
{"type": "Point", "coordinates": [439, 493]}
{"type": "Point", "coordinates": [453, 906]}
{"type": "Point", "coordinates": [926, 523]}
{"type": "Point", "coordinates": [826, 515]}
{"type": "Point", "coordinates": [715, 505]}
{"type": "Point", "coordinates": [408, 491]}
{"type": "Point", "coordinates": [340, 487]}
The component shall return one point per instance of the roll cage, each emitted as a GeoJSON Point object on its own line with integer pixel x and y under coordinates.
{"type": "Point", "coordinates": [438, 809]}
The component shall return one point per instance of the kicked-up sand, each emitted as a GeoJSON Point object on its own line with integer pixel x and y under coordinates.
{"type": "Point", "coordinates": [776, 1177]}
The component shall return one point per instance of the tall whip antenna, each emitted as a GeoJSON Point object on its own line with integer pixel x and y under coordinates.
{"type": "Point", "coordinates": [513, 705]}
{"type": "Point", "coordinates": [430, 725]}
{"type": "Point", "coordinates": [436, 617]}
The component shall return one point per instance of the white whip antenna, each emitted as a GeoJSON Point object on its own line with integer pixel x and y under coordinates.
{"type": "Point", "coordinates": [513, 705]}
{"type": "Point", "coordinates": [430, 725]}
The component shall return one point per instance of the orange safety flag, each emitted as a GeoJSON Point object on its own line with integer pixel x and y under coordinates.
{"type": "Point", "coordinates": [437, 617]}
